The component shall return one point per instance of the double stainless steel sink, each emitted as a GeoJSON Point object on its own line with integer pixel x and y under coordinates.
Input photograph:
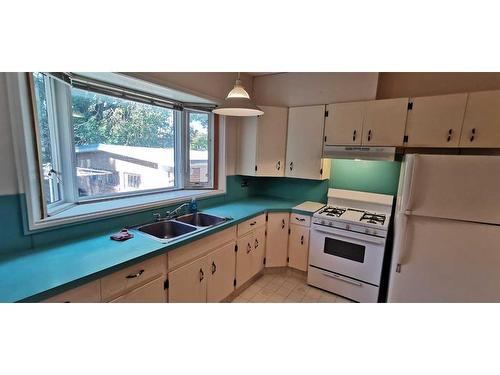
{"type": "Point", "coordinates": [168, 230]}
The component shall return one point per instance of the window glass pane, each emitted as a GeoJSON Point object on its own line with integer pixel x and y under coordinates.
{"type": "Point", "coordinates": [198, 147]}
{"type": "Point", "coordinates": [50, 172]}
{"type": "Point", "coordinates": [121, 145]}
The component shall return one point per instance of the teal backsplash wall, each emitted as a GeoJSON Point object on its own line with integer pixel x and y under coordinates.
{"type": "Point", "coordinates": [362, 175]}
{"type": "Point", "coordinates": [371, 176]}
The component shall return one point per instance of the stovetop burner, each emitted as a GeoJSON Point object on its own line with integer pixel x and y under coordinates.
{"type": "Point", "coordinates": [333, 211]}
{"type": "Point", "coordinates": [373, 218]}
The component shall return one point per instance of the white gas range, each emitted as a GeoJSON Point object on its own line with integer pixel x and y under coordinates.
{"type": "Point", "coordinates": [347, 244]}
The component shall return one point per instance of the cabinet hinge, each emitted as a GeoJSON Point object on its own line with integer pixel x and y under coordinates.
{"type": "Point", "coordinates": [265, 232]}
{"type": "Point", "coordinates": [289, 231]}
{"type": "Point", "coordinates": [235, 248]}
{"type": "Point", "coordinates": [166, 284]}
{"type": "Point", "coordinates": [234, 282]}
{"type": "Point", "coordinates": [267, 217]}
{"type": "Point", "coordinates": [287, 259]}
{"type": "Point", "coordinates": [255, 168]}
{"type": "Point", "coordinates": [405, 139]}
{"type": "Point", "coordinates": [325, 138]}
{"type": "Point", "coordinates": [410, 106]}
{"type": "Point", "coordinates": [264, 260]}
{"type": "Point", "coordinates": [326, 113]}
{"type": "Point", "coordinates": [321, 171]}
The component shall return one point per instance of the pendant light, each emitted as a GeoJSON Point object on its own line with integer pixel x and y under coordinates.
{"type": "Point", "coordinates": [238, 103]}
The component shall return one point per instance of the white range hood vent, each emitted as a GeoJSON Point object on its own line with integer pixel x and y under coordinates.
{"type": "Point", "coordinates": [359, 152]}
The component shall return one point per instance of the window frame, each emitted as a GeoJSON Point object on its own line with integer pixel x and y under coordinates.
{"type": "Point", "coordinates": [22, 109]}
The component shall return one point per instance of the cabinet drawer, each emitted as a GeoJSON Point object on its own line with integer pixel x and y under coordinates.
{"type": "Point", "coordinates": [87, 293]}
{"type": "Point", "coordinates": [250, 224]}
{"type": "Point", "coordinates": [299, 219]}
{"type": "Point", "coordinates": [152, 292]}
{"type": "Point", "coordinates": [196, 249]}
{"type": "Point", "coordinates": [133, 276]}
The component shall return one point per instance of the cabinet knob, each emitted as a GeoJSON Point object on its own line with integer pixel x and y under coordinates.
{"type": "Point", "coordinates": [450, 132]}
{"type": "Point", "coordinates": [291, 165]}
{"type": "Point", "coordinates": [278, 165]}
{"type": "Point", "coordinates": [354, 135]}
{"type": "Point", "coordinates": [249, 248]}
{"type": "Point", "coordinates": [214, 268]}
{"type": "Point", "coordinates": [256, 243]}
{"type": "Point", "coordinates": [283, 224]}
{"type": "Point", "coordinates": [302, 239]}
{"type": "Point", "coordinates": [202, 275]}
{"type": "Point", "coordinates": [473, 132]}
{"type": "Point", "coordinates": [369, 135]}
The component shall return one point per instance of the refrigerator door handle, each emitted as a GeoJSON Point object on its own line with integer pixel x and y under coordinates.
{"type": "Point", "coordinates": [408, 193]}
{"type": "Point", "coordinates": [402, 245]}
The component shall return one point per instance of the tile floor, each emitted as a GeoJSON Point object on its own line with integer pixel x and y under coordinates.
{"type": "Point", "coordinates": [285, 287]}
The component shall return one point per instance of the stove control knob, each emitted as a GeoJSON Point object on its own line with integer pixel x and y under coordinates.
{"type": "Point", "coordinates": [330, 223]}
{"type": "Point", "coordinates": [323, 222]}
{"type": "Point", "coordinates": [367, 231]}
{"type": "Point", "coordinates": [347, 227]}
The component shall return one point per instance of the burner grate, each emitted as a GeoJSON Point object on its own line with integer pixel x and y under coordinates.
{"type": "Point", "coordinates": [333, 211]}
{"type": "Point", "coordinates": [373, 218]}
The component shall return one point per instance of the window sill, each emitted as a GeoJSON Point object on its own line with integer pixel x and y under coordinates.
{"type": "Point", "coordinates": [114, 207]}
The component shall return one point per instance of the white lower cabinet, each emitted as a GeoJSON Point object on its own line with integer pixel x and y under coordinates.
{"type": "Point", "coordinates": [277, 239]}
{"type": "Point", "coordinates": [189, 283]}
{"type": "Point", "coordinates": [250, 255]}
{"type": "Point", "coordinates": [151, 292]}
{"type": "Point", "coordinates": [298, 247]}
{"type": "Point", "coordinates": [222, 264]}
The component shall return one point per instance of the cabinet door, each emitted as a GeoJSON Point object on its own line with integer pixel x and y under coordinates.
{"type": "Point", "coordinates": [277, 239]}
{"type": "Point", "coordinates": [222, 272]}
{"type": "Point", "coordinates": [298, 247]}
{"type": "Point", "coordinates": [244, 259]}
{"type": "Point", "coordinates": [344, 123]}
{"type": "Point", "coordinates": [247, 146]}
{"type": "Point", "coordinates": [259, 250]}
{"type": "Point", "coordinates": [189, 283]}
{"type": "Point", "coordinates": [385, 122]}
{"type": "Point", "coordinates": [482, 120]}
{"type": "Point", "coordinates": [304, 148]}
{"type": "Point", "coordinates": [271, 141]}
{"type": "Point", "coordinates": [436, 121]}
{"type": "Point", "coordinates": [152, 292]}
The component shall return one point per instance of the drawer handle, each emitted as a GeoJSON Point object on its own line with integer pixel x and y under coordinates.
{"type": "Point", "coordinates": [302, 239]}
{"type": "Point", "coordinates": [253, 223]}
{"type": "Point", "coordinates": [283, 224]}
{"type": "Point", "coordinates": [291, 165]}
{"type": "Point", "coordinates": [249, 248]}
{"type": "Point", "coordinates": [450, 132]}
{"type": "Point", "coordinates": [278, 165]}
{"type": "Point", "coordinates": [202, 275]}
{"type": "Point", "coordinates": [354, 135]}
{"type": "Point", "coordinates": [299, 218]}
{"type": "Point", "coordinates": [133, 276]}
{"type": "Point", "coordinates": [369, 135]}
{"type": "Point", "coordinates": [256, 243]}
{"type": "Point", "coordinates": [214, 268]}
{"type": "Point", "coordinates": [473, 134]}
{"type": "Point", "coordinates": [344, 279]}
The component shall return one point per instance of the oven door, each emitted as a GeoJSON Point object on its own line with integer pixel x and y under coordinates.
{"type": "Point", "coordinates": [351, 254]}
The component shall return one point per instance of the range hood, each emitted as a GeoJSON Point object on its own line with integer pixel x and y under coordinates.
{"type": "Point", "coordinates": [359, 152]}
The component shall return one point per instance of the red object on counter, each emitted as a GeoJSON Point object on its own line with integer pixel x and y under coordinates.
{"type": "Point", "coordinates": [123, 235]}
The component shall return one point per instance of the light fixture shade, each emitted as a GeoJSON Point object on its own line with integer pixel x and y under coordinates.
{"type": "Point", "coordinates": [238, 103]}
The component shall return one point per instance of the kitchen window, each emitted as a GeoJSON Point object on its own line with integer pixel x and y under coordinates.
{"type": "Point", "coordinates": [99, 141]}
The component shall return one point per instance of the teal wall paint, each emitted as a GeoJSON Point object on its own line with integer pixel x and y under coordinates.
{"type": "Point", "coordinates": [362, 175]}
{"type": "Point", "coordinates": [371, 176]}
{"type": "Point", "coordinates": [14, 239]}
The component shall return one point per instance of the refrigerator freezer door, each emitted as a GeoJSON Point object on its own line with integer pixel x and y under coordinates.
{"type": "Point", "coordinates": [452, 186]}
{"type": "Point", "coordinates": [446, 261]}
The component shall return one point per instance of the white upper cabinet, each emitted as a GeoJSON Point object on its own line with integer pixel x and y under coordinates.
{"type": "Point", "coordinates": [481, 126]}
{"type": "Point", "coordinates": [436, 121]}
{"type": "Point", "coordinates": [371, 123]}
{"type": "Point", "coordinates": [344, 123]}
{"type": "Point", "coordinates": [262, 143]}
{"type": "Point", "coordinates": [304, 146]}
{"type": "Point", "coordinates": [384, 123]}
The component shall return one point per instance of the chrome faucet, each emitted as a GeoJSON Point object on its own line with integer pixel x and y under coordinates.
{"type": "Point", "coordinates": [157, 216]}
{"type": "Point", "coordinates": [175, 212]}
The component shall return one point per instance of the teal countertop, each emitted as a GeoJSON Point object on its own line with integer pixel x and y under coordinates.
{"type": "Point", "coordinates": [35, 275]}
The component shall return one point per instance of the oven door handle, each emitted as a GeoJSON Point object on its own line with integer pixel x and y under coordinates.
{"type": "Point", "coordinates": [362, 237]}
{"type": "Point", "coordinates": [343, 278]}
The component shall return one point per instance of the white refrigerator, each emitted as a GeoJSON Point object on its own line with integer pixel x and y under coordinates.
{"type": "Point", "coordinates": [447, 230]}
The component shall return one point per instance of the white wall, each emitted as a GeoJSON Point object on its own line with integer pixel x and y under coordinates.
{"type": "Point", "coordinates": [298, 89]}
{"type": "Point", "coordinates": [8, 179]}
